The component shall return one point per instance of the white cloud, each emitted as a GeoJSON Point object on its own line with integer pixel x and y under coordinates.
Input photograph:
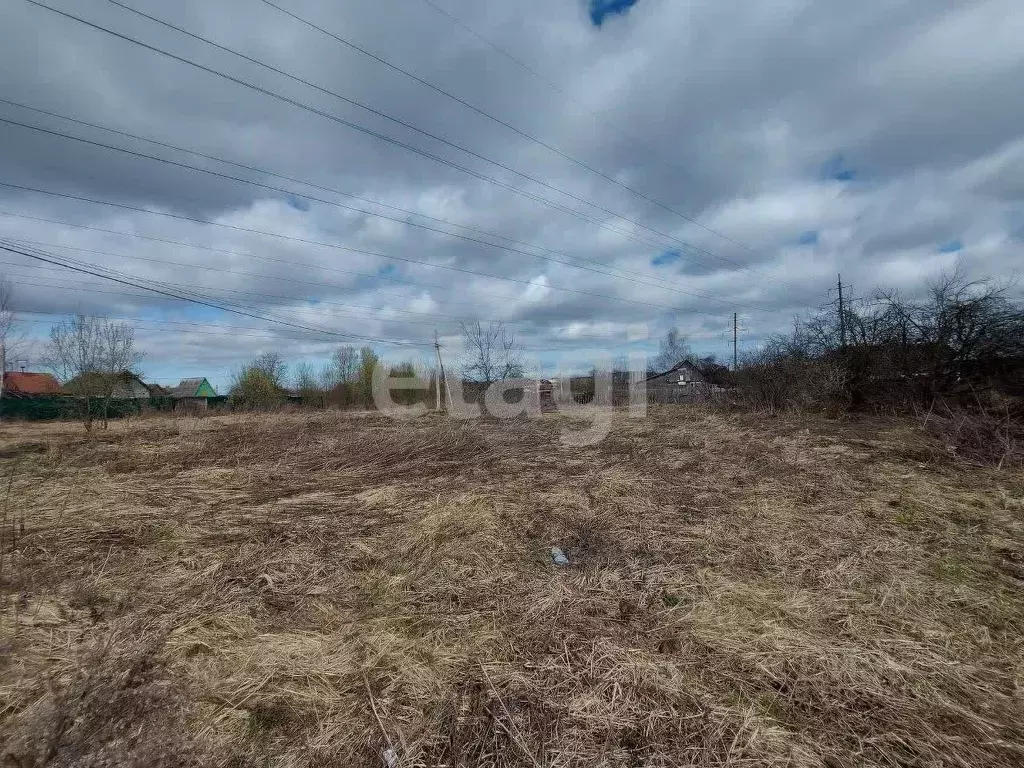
{"type": "Point", "coordinates": [729, 113]}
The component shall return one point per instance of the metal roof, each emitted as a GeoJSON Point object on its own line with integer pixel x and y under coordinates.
{"type": "Point", "coordinates": [26, 383]}
{"type": "Point", "coordinates": [187, 387]}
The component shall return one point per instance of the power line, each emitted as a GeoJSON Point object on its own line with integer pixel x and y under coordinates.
{"type": "Point", "coordinates": [256, 256]}
{"type": "Point", "coordinates": [226, 329]}
{"type": "Point", "coordinates": [268, 315]}
{"type": "Point", "coordinates": [504, 52]}
{"type": "Point", "coordinates": [208, 268]}
{"type": "Point", "coordinates": [293, 238]}
{"type": "Point", "coordinates": [327, 115]}
{"type": "Point", "coordinates": [384, 137]}
{"type": "Point", "coordinates": [237, 253]}
{"type": "Point", "coordinates": [318, 302]}
{"type": "Point", "coordinates": [314, 185]}
{"type": "Point", "coordinates": [562, 92]}
{"type": "Point", "coordinates": [234, 330]}
{"type": "Point", "coordinates": [189, 289]}
{"type": "Point", "coordinates": [280, 190]}
{"type": "Point", "coordinates": [55, 260]}
{"type": "Point", "coordinates": [483, 113]}
{"type": "Point", "coordinates": [185, 150]}
{"type": "Point", "coordinates": [322, 335]}
{"type": "Point", "coordinates": [80, 287]}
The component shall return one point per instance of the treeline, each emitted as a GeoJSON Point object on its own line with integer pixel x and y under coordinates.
{"type": "Point", "coordinates": [344, 380]}
{"type": "Point", "coordinates": [954, 357]}
{"type": "Point", "coordinates": [962, 342]}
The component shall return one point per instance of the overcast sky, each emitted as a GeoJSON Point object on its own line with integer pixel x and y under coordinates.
{"type": "Point", "coordinates": [631, 165]}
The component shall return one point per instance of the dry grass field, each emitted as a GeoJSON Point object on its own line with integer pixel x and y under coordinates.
{"type": "Point", "coordinates": [317, 589]}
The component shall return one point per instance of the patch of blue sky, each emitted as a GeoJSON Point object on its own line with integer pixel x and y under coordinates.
{"type": "Point", "coordinates": [838, 169]}
{"type": "Point", "coordinates": [191, 312]}
{"type": "Point", "coordinates": [666, 258]}
{"type": "Point", "coordinates": [297, 203]}
{"type": "Point", "coordinates": [602, 9]}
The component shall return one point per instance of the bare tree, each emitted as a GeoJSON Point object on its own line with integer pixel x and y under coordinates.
{"type": "Point", "coordinates": [672, 350]}
{"type": "Point", "coordinates": [308, 384]}
{"type": "Point", "coordinates": [327, 377]}
{"type": "Point", "coordinates": [339, 374]}
{"type": "Point", "coordinates": [491, 353]}
{"type": "Point", "coordinates": [272, 365]}
{"type": "Point", "coordinates": [96, 354]}
{"type": "Point", "coordinates": [346, 363]}
{"type": "Point", "coordinates": [953, 340]}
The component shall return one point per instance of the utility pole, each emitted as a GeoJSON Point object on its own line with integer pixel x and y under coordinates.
{"type": "Point", "coordinates": [440, 371]}
{"type": "Point", "coordinates": [735, 335]}
{"type": "Point", "coordinates": [842, 317]}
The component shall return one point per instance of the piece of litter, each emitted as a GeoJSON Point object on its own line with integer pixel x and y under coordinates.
{"type": "Point", "coordinates": [558, 557]}
{"type": "Point", "coordinates": [390, 757]}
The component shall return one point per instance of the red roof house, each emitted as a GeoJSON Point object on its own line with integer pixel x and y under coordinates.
{"type": "Point", "coordinates": [22, 383]}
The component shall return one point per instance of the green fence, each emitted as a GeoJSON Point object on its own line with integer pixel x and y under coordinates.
{"type": "Point", "coordinates": [40, 407]}
{"type": "Point", "coordinates": [57, 407]}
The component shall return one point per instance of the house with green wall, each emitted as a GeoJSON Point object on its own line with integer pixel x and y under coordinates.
{"type": "Point", "coordinates": [193, 394]}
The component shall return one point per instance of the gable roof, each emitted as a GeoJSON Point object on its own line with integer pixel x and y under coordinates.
{"type": "Point", "coordinates": [126, 385]}
{"type": "Point", "coordinates": [26, 383]}
{"type": "Point", "coordinates": [678, 367]}
{"type": "Point", "coordinates": [190, 387]}
{"type": "Point", "coordinates": [708, 373]}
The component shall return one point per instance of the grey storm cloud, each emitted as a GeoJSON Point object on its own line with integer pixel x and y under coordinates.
{"type": "Point", "coordinates": [791, 141]}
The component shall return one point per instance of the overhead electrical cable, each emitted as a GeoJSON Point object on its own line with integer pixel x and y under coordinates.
{"type": "Point", "coordinates": [259, 257]}
{"type": "Point", "coordinates": [185, 150]}
{"type": "Point", "coordinates": [286, 333]}
{"type": "Point", "coordinates": [483, 113]}
{"type": "Point", "coordinates": [308, 241]}
{"type": "Point", "coordinates": [51, 259]}
{"type": "Point", "coordinates": [293, 193]}
{"type": "Point", "coordinates": [384, 137]}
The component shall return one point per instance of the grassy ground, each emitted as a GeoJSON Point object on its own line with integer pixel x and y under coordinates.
{"type": "Point", "coordinates": [316, 589]}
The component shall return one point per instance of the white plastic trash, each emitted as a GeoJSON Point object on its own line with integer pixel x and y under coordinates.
{"type": "Point", "coordinates": [558, 557]}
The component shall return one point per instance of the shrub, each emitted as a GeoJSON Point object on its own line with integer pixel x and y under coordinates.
{"type": "Point", "coordinates": [254, 389]}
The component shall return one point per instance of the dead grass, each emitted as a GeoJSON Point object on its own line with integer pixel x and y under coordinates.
{"type": "Point", "coordinates": [311, 590]}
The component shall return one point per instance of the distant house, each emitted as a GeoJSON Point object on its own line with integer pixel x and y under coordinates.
{"type": "Point", "coordinates": [27, 384]}
{"type": "Point", "coordinates": [687, 381]}
{"type": "Point", "coordinates": [193, 394]}
{"type": "Point", "coordinates": [119, 386]}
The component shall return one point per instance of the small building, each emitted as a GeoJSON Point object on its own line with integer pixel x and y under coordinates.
{"type": "Point", "coordinates": [193, 394]}
{"type": "Point", "coordinates": [27, 384]}
{"type": "Point", "coordinates": [119, 386]}
{"type": "Point", "coordinates": [687, 382]}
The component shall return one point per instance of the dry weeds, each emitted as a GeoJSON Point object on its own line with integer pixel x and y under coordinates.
{"type": "Point", "coordinates": [312, 590]}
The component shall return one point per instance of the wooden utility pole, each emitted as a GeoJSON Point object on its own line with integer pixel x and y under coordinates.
{"type": "Point", "coordinates": [842, 317]}
{"type": "Point", "coordinates": [440, 372]}
{"type": "Point", "coordinates": [735, 335]}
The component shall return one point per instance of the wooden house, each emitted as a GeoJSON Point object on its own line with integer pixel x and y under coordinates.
{"type": "Point", "coordinates": [193, 394]}
{"type": "Point", "coordinates": [119, 386]}
{"type": "Point", "coordinates": [687, 382]}
{"type": "Point", "coordinates": [29, 384]}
